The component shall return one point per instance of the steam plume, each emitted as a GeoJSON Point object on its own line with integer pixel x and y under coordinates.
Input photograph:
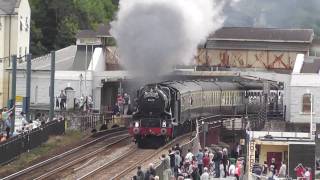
{"type": "Point", "coordinates": [154, 35]}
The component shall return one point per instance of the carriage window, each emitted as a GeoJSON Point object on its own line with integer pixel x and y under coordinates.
{"type": "Point", "coordinates": [306, 103]}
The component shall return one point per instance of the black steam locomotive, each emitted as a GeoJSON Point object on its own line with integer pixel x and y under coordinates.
{"type": "Point", "coordinates": [166, 110]}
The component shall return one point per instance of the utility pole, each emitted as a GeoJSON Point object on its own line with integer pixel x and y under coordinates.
{"type": "Point", "coordinates": [51, 91]}
{"type": "Point", "coordinates": [13, 89]}
{"type": "Point", "coordinates": [28, 87]}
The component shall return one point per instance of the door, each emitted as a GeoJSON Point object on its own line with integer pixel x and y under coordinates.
{"type": "Point", "coordinates": [277, 156]}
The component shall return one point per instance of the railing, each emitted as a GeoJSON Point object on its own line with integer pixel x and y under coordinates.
{"type": "Point", "coordinates": [28, 140]}
{"type": "Point", "coordinates": [94, 121]}
{"type": "Point", "coordinates": [87, 121]}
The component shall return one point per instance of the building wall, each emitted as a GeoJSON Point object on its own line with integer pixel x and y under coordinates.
{"type": "Point", "coordinates": [11, 34]}
{"type": "Point", "coordinates": [40, 83]}
{"type": "Point", "coordinates": [300, 84]}
{"type": "Point", "coordinates": [23, 41]}
{"type": "Point", "coordinates": [297, 115]}
{"type": "Point", "coordinates": [247, 58]}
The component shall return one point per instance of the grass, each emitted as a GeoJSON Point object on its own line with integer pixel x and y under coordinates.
{"type": "Point", "coordinates": [52, 145]}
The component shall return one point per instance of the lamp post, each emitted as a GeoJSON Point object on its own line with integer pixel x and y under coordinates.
{"type": "Point", "coordinates": [311, 111]}
{"type": "Point", "coordinates": [205, 129]}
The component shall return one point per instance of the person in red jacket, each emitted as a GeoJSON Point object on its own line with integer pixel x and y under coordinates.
{"type": "Point", "coordinates": [206, 160]}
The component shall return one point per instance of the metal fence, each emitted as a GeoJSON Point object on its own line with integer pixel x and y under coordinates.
{"type": "Point", "coordinates": [87, 121]}
{"type": "Point", "coordinates": [95, 120]}
{"type": "Point", "coordinates": [16, 145]}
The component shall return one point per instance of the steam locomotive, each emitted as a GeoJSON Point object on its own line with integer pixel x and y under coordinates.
{"type": "Point", "coordinates": [168, 109]}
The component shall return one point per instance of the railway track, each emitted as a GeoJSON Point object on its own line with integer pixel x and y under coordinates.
{"type": "Point", "coordinates": [121, 166]}
{"type": "Point", "coordinates": [56, 164]}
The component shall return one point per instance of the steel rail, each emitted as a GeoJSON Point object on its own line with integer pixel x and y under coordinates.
{"type": "Point", "coordinates": [76, 161]}
{"type": "Point", "coordinates": [136, 164]}
{"type": "Point", "coordinates": [60, 156]}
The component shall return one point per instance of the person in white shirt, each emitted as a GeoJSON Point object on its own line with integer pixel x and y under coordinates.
{"type": "Point", "coordinates": [283, 170]}
{"type": "Point", "coordinates": [189, 155]}
{"type": "Point", "coordinates": [232, 169]}
{"type": "Point", "coordinates": [307, 174]}
{"type": "Point", "coordinates": [205, 174]}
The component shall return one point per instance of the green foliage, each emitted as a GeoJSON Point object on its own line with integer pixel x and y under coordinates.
{"type": "Point", "coordinates": [54, 23]}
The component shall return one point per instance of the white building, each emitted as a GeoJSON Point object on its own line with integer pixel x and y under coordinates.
{"type": "Point", "coordinates": [83, 67]}
{"type": "Point", "coordinates": [14, 38]}
{"type": "Point", "coordinates": [305, 83]}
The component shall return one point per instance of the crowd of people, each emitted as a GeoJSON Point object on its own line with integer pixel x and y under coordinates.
{"type": "Point", "coordinates": [122, 106]}
{"type": "Point", "coordinates": [271, 170]}
{"type": "Point", "coordinates": [83, 103]}
{"type": "Point", "coordinates": [6, 122]}
{"type": "Point", "coordinates": [203, 165]}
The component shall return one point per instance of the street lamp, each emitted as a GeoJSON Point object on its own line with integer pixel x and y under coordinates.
{"type": "Point", "coordinates": [205, 129]}
{"type": "Point", "coordinates": [311, 111]}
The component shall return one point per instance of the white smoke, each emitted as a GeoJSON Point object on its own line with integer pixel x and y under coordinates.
{"type": "Point", "coordinates": [154, 35]}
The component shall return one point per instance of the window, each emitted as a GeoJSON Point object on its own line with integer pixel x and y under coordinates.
{"type": "Point", "coordinates": [306, 103]}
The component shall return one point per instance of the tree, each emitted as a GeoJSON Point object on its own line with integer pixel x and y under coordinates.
{"type": "Point", "coordinates": [54, 24]}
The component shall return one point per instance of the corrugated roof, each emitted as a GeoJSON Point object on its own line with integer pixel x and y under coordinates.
{"type": "Point", "coordinates": [64, 60]}
{"type": "Point", "coordinates": [79, 63]}
{"type": "Point", "coordinates": [8, 6]}
{"type": "Point", "coordinates": [263, 34]}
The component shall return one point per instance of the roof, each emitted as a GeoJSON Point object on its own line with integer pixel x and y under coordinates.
{"type": "Point", "coordinates": [64, 60]}
{"type": "Point", "coordinates": [7, 6]}
{"type": "Point", "coordinates": [263, 34]}
{"type": "Point", "coordinates": [102, 31]}
{"type": "Point", "coordinates": [86, 34]}
{"type": "Point", "coordinates": [311, 66]}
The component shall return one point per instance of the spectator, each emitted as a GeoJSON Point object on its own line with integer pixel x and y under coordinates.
{"type": "Point", "coordinates": [178, 148]}
{"type": "Point", "coordinates": [307, 174]}
{"type": "Point", "coordinates": [189, 155]}
{"type": "Point", "coordinates": [265, 168]}
{"type": "Point", "coordinates": [172, 160]}
{"type": "Point", "coordinates": [232, 169]}
{"type": "Point", "coordinates": [115, 110]}
{"type": "Point", "coordinates": [273, 166]}
{"type": "Point", "coordinates": [225, 161]}
{"type": "Point", "coordinates": [195, 173]}
{"type": "Point", "coordinates": [127, 103]}
{"type": "Point", "coordinates": [166, 166]}
{"type": "Point", "coordinates": [177, 163]}
{"type": "Point", "coordinates": [206, 160]}
{"type": "Point", "coordinates": [9, 125]}
{"type": "Point", "coordinates": [221, 168]}
{"type": "Point", "coordinates": [211, 156]}
{"type": "Point", "coordinates": [217, 159]}
{"type": "Point", "coordinates": [283, 170]}
{"type": "Point", "coordinates": [299, 170]}
{"type": "Point", "coordinates": [140, 174]}
{"type": "Point", "coordinates": [205, 174]}
{"type": "Point", "coordinates": [200, 160]}
{"type": "Point", "coordinates": [151, 172]}
{"type": "Point", "coordinates": [63, 99]}
{"type": "Point", "coordinates": [57, 102]}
